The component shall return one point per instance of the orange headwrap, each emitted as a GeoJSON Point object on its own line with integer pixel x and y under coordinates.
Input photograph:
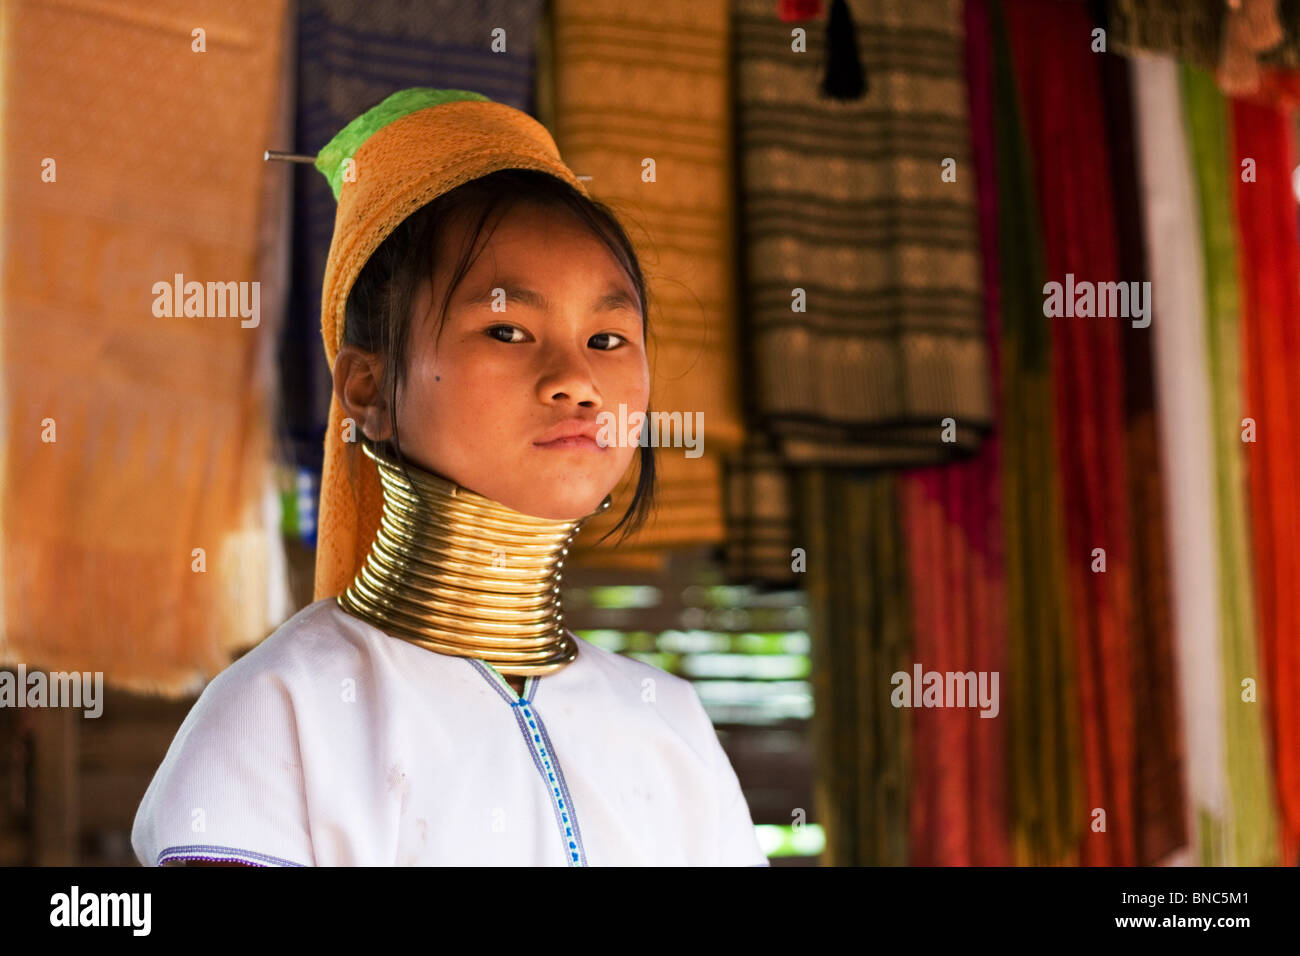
{"type": "Point", "coordinates": [411, 148]}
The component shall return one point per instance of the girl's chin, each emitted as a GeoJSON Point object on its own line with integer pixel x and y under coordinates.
{"type": "Point", "coordinates": [555, 511]}
{"type": "Point", "coordinates": [561, 505]}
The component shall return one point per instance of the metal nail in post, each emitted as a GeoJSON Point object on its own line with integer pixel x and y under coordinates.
{"type": "Point", "coordinates": [290, 157]}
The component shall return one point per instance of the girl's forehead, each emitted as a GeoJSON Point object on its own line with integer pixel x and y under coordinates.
{"type": "Point", "coordinates": [525, 246]}
{"type": "Point", "coordinates": [526, 220]}
{"type": "Point", "coordinates": [534, 252]}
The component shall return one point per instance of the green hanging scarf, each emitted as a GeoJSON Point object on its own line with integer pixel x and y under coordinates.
{"type": "Point", "coordinates": [1249, 836]}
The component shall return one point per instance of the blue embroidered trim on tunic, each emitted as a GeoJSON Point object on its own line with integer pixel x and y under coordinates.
{"type": "Point", "coordinates": [544, 759]}
{"type": "Point", "coordinates": [221, 853]}
{"type": "Point", "coordinates": [573, 837]}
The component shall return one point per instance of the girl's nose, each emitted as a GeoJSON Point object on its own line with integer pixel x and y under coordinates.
{"type": "Point", "coordinates": [567, 376]}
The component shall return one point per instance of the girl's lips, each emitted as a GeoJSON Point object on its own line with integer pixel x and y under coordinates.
{"type": "Point", "coordinates": [581, 442]}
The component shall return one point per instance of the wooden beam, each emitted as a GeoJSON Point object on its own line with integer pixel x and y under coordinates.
{"type": "Point", "coordinates": [54, 806]}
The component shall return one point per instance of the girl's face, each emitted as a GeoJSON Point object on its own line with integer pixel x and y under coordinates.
{"type": "Point", "coordinates": [479, 397]}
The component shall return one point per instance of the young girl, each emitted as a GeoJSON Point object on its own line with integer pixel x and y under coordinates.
{"type": "Point", "coordinates": [480, 311]}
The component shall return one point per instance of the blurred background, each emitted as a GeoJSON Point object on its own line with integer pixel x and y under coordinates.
{"type": "Point", "coordinates": [849, 215]}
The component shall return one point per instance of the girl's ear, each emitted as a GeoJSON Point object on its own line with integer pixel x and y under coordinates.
{"type": "Point", "coordinates": [358, 385]}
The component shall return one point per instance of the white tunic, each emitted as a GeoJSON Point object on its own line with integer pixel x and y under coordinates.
{"type": "Point", "coordinates": [333, 744]}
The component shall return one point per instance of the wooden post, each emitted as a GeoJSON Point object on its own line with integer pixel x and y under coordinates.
{"type": "Point", "coordinates": [54, 807]}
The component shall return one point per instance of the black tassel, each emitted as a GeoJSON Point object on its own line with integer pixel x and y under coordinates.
{"type": "Point", "coordinates": [845, 78]}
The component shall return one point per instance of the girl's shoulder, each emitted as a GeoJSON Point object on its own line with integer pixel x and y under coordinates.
{"type": "Point", "coordinates": [234, 772]}
{"type": "Point", "coordinates": [321, 630]}
{"type": "Point", "coordinates": [622, 669]}
{"type": "Point", "coordinates": [636, 683]}
{"type": "Point", "coordinates": [319, 637]}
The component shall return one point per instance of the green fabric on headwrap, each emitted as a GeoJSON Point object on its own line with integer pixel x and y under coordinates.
{"type": "Point", "coordinates": [402, 103]}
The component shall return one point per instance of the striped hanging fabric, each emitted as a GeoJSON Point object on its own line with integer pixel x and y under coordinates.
{"type": "Point", "coordinates": [638, 98]}
{"type": "Point", "coordinates": [862, 320]}
{"type": "Point", "coordinates": [861, 265]}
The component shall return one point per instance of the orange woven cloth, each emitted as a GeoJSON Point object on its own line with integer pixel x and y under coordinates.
{"type": "Point", "coordinates": [137, 447]}
{"type": "Point", "coordinates": [402, 166]}
{"type": "Point", "coordinates": [621, 84]}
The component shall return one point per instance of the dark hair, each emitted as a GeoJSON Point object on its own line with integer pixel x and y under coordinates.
{"type": "Point", "coordinates": [378, 311]}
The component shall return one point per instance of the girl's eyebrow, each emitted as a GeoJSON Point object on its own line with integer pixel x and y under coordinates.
{"type": "Point", "coordinates": [613, 298]}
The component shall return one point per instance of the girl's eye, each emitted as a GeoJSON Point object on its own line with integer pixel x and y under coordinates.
{"type": "Point", "coordinates": [509, 329]}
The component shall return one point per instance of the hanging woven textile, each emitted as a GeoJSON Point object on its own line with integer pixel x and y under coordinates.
{"type": "Point", "coordinates": [861, 264]}
{"type": "Point", "coordinates": [862, 322]}
{"type": "Point", "coordinates": [1239, 40]}
{"type": "Point", "coordinates": [137, 341]}
{"type": "Point", "coordinates": [647, 116]}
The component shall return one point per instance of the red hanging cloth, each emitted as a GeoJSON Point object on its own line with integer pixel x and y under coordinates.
{"type": "Point", "coordinates": [952, 515]}
{"type": "Point", "coordinates": [1269, 272]}
{"type": "Point", "coordinates": [1061, 98]}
